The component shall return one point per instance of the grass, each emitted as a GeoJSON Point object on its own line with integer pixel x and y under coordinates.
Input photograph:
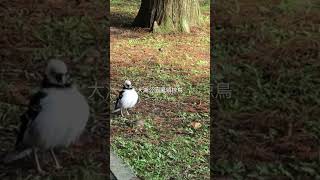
{"type": "Point", "coordinates": [269, 61]}
{"type": "Point", "coordinates": [123, 13]}
{"type": "Point", "coordinates": [34, 35]}
{"type": "Point", "coordinates": [66, 37]}
{"type": "Point", "coordinates": [167, 151]}
{"type": "Point", "coordinates": [168, 145]}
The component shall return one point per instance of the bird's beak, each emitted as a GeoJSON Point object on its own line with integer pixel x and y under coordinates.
{"type": "Point", "coordinates": [61, 79]}
{"type": "Point", "coordinates": [64, 80]}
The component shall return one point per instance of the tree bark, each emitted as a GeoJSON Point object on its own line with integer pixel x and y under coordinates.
{"type": "Point", "coordinates": [168, 15]}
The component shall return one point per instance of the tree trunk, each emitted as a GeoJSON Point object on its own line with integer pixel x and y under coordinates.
{"type": "Point", "coordinates": [168, 15]}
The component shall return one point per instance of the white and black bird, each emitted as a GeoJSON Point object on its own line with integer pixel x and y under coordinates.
{"type": "Point", "coordinates": [127, 98]}
{"type": "Point", "coordinates": [56, 116]}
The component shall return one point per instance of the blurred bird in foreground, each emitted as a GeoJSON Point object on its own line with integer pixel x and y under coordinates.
{"type": "Point", "coordinates": [127, 98]}
{"type": "Point", "coordinates": [56, 116]}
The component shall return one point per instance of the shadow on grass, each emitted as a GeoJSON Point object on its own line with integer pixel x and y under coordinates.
{"type": "Point", "coordinates": [121, 20]}
{"type": "Point", "coordinates": [121, 23]}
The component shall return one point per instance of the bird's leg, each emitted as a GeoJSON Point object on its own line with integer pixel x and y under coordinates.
{"type": "Point", "coordinates": [121, 112]}
{"type": "Point", "coordinates": [127, 112]}
{"type": "Point", "coordinates": [37, 161]}
{"type": "Point", "coordinates": [58, 166]}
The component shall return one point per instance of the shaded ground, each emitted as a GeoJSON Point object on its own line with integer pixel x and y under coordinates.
{"type": "Point", "coordinates": [167, 134]}
{"type": "Point", "coordinates": [31, 33]}
{"type": "Point", "coordinates": [268, 52]}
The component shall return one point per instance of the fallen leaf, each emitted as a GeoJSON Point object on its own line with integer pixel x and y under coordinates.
{"type": "Point", "coordinates": [196, 125]}
{"type": "Point", "coordinates": [140, 123]}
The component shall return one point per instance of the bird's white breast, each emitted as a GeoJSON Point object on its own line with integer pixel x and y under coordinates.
{"type": "Point", "coordinates": [129, 98]}
{"type": "Point", "coordinates": [63, 117]}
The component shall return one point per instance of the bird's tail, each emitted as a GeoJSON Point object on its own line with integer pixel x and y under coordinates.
{"type": "Point", "coordinates": [16, 155]}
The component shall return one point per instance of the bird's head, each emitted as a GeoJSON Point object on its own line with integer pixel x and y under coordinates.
{"type": "Point", "coordinates": [127, 84]}
{"type": "Point", "coordinates": [57, 73]}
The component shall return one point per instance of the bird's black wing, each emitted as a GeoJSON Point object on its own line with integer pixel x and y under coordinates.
{"type": "Point", "coordinates": [32, 112]}
{"type": "Point", "coordinates": [138, 98]}
{"type": "Point", "coordinates": [118, 99]}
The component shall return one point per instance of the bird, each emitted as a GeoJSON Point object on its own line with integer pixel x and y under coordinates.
{"type": "Point", "coordinates": [127, 99]}
{"type": "Point", "coordinates": [56, 116]}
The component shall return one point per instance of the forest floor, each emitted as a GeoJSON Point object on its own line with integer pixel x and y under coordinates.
{"type": "Point", "coordinates": [167, 134]}
{"type": "Point", "coordinates": [30, 34]}
{"type": "Point", "coordinates": [268, 53]}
